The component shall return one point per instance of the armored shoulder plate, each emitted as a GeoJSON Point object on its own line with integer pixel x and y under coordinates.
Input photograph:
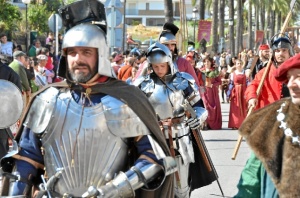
{"type": "Point", "coordinates": [146, 84]}
{"type": "Point", "coordinates": [121, 119]}
{"type": "Point", "coordinates": [189, 78]}
{"type": "Point", "coordinates": [188, 81]}
{"type": "Point", "coordinates": [139, 80]}
{"type": "Point", "coordinates": [41, 110]}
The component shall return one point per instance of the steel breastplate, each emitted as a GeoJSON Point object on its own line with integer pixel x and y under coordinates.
{"type": "Point", "coordinates": [166, 100]}
{"type": "Point", "coordinates": [84, 145]}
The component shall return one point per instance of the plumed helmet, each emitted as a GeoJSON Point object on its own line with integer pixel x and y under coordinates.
{"type": "Point", "coordinates": [86, 35]}
{"type": "Point", "coordinates": [281, 41]}
{"type": "Point", "coordinates": [167, 36]}
{"type": "Point", "coordinates": [83, 11]}
{"type": "Point", "coordinates": [159, 53]}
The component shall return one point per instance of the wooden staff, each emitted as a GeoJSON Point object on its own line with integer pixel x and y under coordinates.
{"type": "Point", "coordinates": [240, 138]}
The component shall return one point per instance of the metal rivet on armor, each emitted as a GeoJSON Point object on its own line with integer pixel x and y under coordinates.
{"type": "Point", "coordinates": [108, 177]}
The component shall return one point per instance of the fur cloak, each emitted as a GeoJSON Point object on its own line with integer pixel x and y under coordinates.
{"type": "Point", "coordinates": [280, 157]}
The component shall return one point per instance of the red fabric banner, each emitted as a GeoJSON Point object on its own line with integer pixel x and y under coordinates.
{"type": "Point", "coordinates": [259, 36]}
{"type": "Point", "coordinates": [204, 30]}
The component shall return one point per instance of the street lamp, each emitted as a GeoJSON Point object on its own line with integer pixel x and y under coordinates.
{"type": "Point", "coordinates": [26, 2]}
{"type": "Point", "coordinates": [195, 12]}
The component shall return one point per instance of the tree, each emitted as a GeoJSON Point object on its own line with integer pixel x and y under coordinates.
{"type": "Point", "coordinates": [250, 32]}
{"type": "Point", "coordinates": [231, 27]}
{"type": "Point", "coordinates": [9, 15]}
{"type": "Point", "coordinates": [215, 27]}
{"type": "Point", "coordinates": [169, 11]}
{"type": "Point", "coordinates": [52, 5]}
{"type": "Point", "coordinates": [239, 27]}
{"type": "Point", "coordinates": [38, 17]}
{"type": "Point", "coordinates": [202, 9]}
{"type": "Point", "coordinates": [222, 18]}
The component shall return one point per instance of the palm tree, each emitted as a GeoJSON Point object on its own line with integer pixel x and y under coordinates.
{"type": "Point", "coordinates": [168, 11]}
{"type": "Point", "coordinates": [239, 27]}
{"type": "Point", "coordinates": [221, 19]}
{"type": "Point", "coordinates": [231, 27]}
{"type": "Point", "coordinates": [215, 27]}
{"type": "Point", "coordinates": [250, 32]}
{"type": "Point", "coordinates": [202, 9]}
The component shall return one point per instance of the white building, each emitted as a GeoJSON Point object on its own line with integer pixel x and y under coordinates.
{"type": "Point", "coordinates": [146, 12]}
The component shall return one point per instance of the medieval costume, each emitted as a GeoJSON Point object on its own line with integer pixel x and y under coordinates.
{"type": "Point", "coordinates": [168, 37]}
{"type": "Point", "coordinates": [90, 134]}
{"type": "Point", "coordinates": [270, 131]}
{"type": "Point", "coordinates": [237, 87]}
{"type": "Point", "coordinates": [271, 91]}
{"type": "Point", "coordinates": [169, 94]}
{"type": "Point", "coordinates": [211, 98]}
{"type": "Point", "coordinates": [280, 155]}
{"type": "Point", "coordinates": [224, 75]}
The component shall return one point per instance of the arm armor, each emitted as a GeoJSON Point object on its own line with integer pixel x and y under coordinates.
{"type": "Point", "coordinates": [194, 96]}
{"type": "Point", "coordinates": [124, 184]}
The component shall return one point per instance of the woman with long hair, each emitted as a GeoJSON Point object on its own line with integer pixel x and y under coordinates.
{"type": "Point", "coordinates": [211, 95]}
{"type": "Point", "coordinates": [237, 88]}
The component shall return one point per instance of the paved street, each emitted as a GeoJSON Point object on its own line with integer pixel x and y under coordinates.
{"type": "Point", "coordinates": [220, 144]}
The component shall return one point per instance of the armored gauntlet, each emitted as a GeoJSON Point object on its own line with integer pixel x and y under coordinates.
{"type": "Point", "coordinates": [125, 184]}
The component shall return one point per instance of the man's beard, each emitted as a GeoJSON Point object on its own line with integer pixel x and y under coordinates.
{"type": "Point", "coordinates": [81, 77]}
{"type": "Point", "coordinates": [266, 57]}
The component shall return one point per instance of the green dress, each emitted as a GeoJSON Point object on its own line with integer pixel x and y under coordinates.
{"type": "Point", "coordinates": [255, 182]}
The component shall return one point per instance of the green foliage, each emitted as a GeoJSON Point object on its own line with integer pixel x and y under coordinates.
{"type": "Point", "coordinates": [194, 3]}
{"type": "Point", "coordinates": [211, 74]}
{"type": "Point", "coordinates": [70, 1]}
{"type": "Point", "coordinates": [53, 6]}
{"type": "Point", "coordinates": [135, 22]}
{"type": "Point", "coordinates": [8, 16]}
{"type": "Point", "coordinates": [38, 17]}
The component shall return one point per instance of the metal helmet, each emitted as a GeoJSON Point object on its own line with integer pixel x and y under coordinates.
{"type": "Point", "coordinates": [159, 53]}
{"type": "Point", "coordinates": [281, 41]}
{"type": "Point", "coordinates": [86, 35]}
{"type": "Point", "coordinates": [167, 37]}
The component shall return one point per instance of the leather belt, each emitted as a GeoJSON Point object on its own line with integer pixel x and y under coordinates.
{"type": "Point", "coordinates": [171, 121]}
{"type": "Point", "coordinates": [30, 161]}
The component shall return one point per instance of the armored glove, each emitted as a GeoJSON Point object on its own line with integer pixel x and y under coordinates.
{"type": "Point", "coordinates": [118, 187]}
{"type": "Point", "coordinates": [193, 123]}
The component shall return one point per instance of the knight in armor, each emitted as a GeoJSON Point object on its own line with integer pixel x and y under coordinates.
{"type": "Point", "coordinates": [168, 38]}
{"type": "Point", "coordinates": [170, 91]}
{"type": "Point", "coordinates": [90, 135]}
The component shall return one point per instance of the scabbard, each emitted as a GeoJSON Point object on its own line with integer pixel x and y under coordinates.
{"type": "Point", "coordinates": [202, 150]}
{"type": "Point", "coordinates": [172, 151]}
